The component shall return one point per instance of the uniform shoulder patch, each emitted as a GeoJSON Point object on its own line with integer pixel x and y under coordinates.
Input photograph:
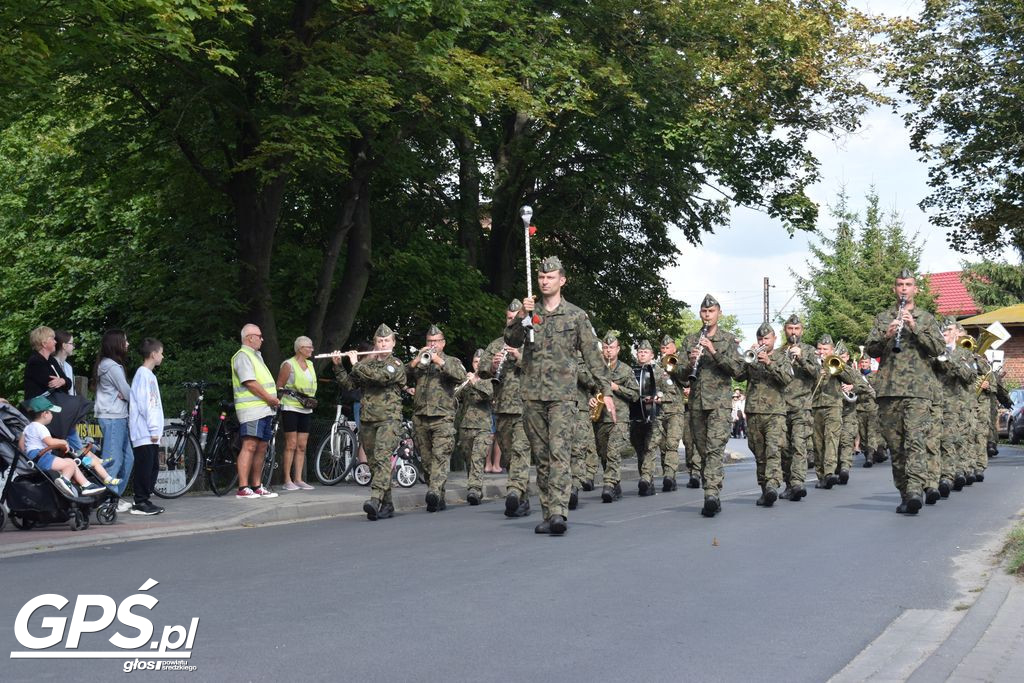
{"type": "Point", "coordinates": [390, 368]}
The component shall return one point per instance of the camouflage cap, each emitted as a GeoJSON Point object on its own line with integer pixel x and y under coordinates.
{"type": "Point", "coordinates": [384, 331]}
{"type": "Point", "coordinates": [948, 322]}
{"type": "Point", "coordinates": [478, 353]}
{"type": "Point", "coordinates": [826, 339]}
{"type": "Point", "coordinates": [644, 345]}
{"type": "Point", "coordinates": [905, 274]}
{"type": "Point", "coordinates": [793, 320]}
{"type": "Point", "coordinates": [841, 348]}
{"type": "Point", "coordinates": [434, 330]}
{"type": "Point", "coordinates": [515, 305]}
{"type": "Point", "coordinates": [667, 339]}
{"type": "Point", "coordinates": [550, 264]}
{"type": "Point", "coordinates": [609, 338]}
{"type": "Point", "coordinates": [709, 302]}
{"type": "Point", "coordinates": [764, 330]}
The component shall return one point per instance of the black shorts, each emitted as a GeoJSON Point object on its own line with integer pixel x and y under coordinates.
{"type": "Point", "coordinates": [295, 422]}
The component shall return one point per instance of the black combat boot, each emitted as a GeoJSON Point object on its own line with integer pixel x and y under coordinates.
{"type": "Point", "coordinates": [511, 504]}
{"type": "Point", "coordinates": [711, 506]}
{"type": "Point", "coordinates": [372, 509]}
{"type": "Point", "coordinates": [787, 493]}
{"type": "Point", "coordinates": [645, 488]}
{"type": "Point", "coordinates": [979, 475]}
{"type": "Point", "coordinates": [387, 510]}
{"type": "Point", "coordinates": [432, 501]}
{"type": "Point", "coordinates": [587, 484]}
{"type": "Point", "coordinates": [914, 504]}
{"type": "Point", "coordinates": [944, 487]}
{"type": "Point", "coordinates": [473, 497]}
{"type": "Point", "coordinates": [798, 492]}
{"type": "Point", "coordinates": [524, 507]}
{"type": "Point", "coordinates": [543, 528]}
{"type": "Point", "coordinates": [844, 476]}
{"type": "Point", "coordinates": [959, 482]}
{"type": "Point", "coordinates": [931, 496]}
{"type": "Point", "coordinates": [608, 494]}
{"type": "Point", "coordinates": [694, 482]}
{"type": "Point", "coordinates": [558, 525]}
{"type": "Point", "coordinates": [574, 498]}
{"type": "Point", "coordinates": [668, 484]}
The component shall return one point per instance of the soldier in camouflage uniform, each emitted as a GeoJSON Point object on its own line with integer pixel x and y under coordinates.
{"type": "Point", "coordinates": [827, 412]}
{"type": "Point", "coordinates": [674, 425]}
{"type": "Point", "coordinates": [982, 415]}
{"type": "Point", "coordinates": [905, 386]}
{"type": "Point", "coordinates": [714, 359]}
{"type": "Point", "coordinates": [381, 378]}
{"type": "Point", "coordinates": [433, 415]}
{"type": "Point", "coordinates": [583, 461]}
{"type": "Point", "coordinates": [803, 358]}
{"type": "Point", "coordinates": [956, 376]}
{"type": "Point", "coordinates": [767, 378]}
{"type": "Point", "coordinates": [867, 416]}
{"type": "Point", "coordinates": [474, 396]}
{"type": "Point", "coordinates": [611, 432]}
{"type": "Point", "coordinates": [644, 422]}
{"type": "Point", "coordinates": [561, 331]}
{"type": "Point", "coordinates": [848, 432]}
{"type": "Point", "coordinates": [502, 363]}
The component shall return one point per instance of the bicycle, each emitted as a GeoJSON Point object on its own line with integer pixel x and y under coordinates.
{"type": "Point", "coordinates": [336, 458]}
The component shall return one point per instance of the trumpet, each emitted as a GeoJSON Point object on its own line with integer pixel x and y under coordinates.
{"type": "Point", "coordinates": [700, 354]}
{"type": "Point", "coordinates": [598, 409]}
{"type": "Point", "coordinates": [897, 344]}
{"type": "Point", "coordinates": [669, 362]}
{"type": "Point", "coordinates": [425, 356]}
{"type": "Point", "coordinates": [751, 355]}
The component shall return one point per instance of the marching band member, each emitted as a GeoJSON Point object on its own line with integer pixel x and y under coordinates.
{"type": "Point", "coordinates": [674, 425]}
{"type": "Point", "coordinates": [611, 432]}
{"type": "Point", "coordinates": [827, 413]}
{"type": "Point", "coordinates": [803, 358]}
{"type": "Point", "coordinates": [956, 376]}
{"type": "Point", "coordinates": [867, 416]}
{"type": "Point", "coordinates": [474, 396]}
{"type": "Point", "coordinates": [644, 424]}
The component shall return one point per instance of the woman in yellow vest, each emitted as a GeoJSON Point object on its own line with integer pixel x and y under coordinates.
{"type": "Point", "coordinates": [297, 374]}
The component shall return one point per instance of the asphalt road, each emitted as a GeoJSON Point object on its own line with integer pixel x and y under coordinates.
{"type": "Point", "coordinates": [644, 588]}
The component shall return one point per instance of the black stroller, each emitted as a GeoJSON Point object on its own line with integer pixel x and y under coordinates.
{"type": "Point", "coordinates": [30, 495]}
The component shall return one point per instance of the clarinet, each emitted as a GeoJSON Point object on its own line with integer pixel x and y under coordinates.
{"type": "Point", "coordinates": [501, 365]}
{"type": "Point", "coordinates": [700, 353]}
{"type": "Point", "coordinates": [897, 344]}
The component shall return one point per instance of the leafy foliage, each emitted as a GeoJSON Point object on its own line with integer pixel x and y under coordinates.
{"type": "Point", "coordinates": [994, 284]}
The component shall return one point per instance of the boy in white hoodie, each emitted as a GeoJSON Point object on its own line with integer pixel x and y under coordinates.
{"type": "Point", "coordinates": [145, 427]}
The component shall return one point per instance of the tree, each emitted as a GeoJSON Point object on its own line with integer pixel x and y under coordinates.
{"type": "Point", "coordinates": [994, 284]}
{"type": "Point", "coordinates": [851, 279]}
{"type": "Point", "coordinates": [959, 68]}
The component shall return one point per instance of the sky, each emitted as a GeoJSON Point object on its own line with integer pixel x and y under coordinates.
{"type": "Point", "coordinates": [732, 263]}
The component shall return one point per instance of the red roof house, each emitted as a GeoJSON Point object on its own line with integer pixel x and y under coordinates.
{"type": "Point", "coordinates": [951, 296]}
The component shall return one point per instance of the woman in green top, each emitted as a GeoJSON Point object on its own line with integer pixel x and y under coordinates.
{"type": "Point", "coordinates": [297, 374]}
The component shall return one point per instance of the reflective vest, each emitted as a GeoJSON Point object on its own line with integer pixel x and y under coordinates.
{"type": "Point", "coordinates": [301, 382]}
{"type": "Point", "coordinates": [243, 397]}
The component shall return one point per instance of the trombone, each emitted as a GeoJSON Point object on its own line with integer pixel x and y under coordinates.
{"type": "Point", "coordinates": [668, 362]}
{"type": "Point", "coordinates": [831, 366]}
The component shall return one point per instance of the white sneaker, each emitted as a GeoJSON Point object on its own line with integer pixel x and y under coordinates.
{"type": "Point", "coordinates": [123, 505]}
{"type": "Point", "coordinates": [264, 492]}
{"type": "Point", "coordinates": [246, 492]}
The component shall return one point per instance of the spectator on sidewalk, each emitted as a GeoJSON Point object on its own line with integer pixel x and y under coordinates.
{"type": "Point", "coordinates": [739, 417]}
{"type": "Point", "coordinates": [146, 426]}
{"type": "Point", "coordinates": [47, 370]}
{"type": "Point", "coordinates": [255, 394]}
{"type": "Point", "coordinates": [296, 374]}
{"type": "Point", "coordinates": [111, 408]}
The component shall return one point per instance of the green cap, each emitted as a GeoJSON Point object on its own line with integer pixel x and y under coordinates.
{"type": "Point", "coordinates": [793, 320]}
{"type": "Point", "coordinates": [948, 322]}
{"type": "Point", "coordinates": [644, 345]}
{"type": "Point", "coordinates": [515, 305]}
{"type": "Point", "coordinates": [41, 403]}
{"type": "Point", "coordinates": [550, 264]}
{"type": "Point", "coordinates": [383, 331]}
{"type": "Point", "coordinates": [610, 338]}
{"type": "Point", "coordinates": [667, 339]}
{"type": "Point", "coordinates": [841, 348]}
{"type": "Point", "coordinates": [709, 302]}
{"type": "Point", "coordinates": [826, 339]}
{"type": "Point", "coordinates": [905, 274]}
{"type": "Point", "coordinates": [434, 330]}
{"type": "Point", "coordinates": [764, 330]}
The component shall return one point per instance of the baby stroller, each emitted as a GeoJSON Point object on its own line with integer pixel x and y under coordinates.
{"type": "Point", "coordinates": [30, 495]}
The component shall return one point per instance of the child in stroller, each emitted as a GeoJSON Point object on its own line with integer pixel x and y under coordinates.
{"type": "Point", "coordinates": [38, 445]}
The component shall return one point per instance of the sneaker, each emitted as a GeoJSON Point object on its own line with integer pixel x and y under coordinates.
{"type": "Point", "coordinates": [64, 486]}
{"type": "Point", "coordinates": [264, 492]}
{"type": "Point", "coordinates": [123, 505]}
{"type": "Point", "coordinates": [246, 493]}
{"type": "Point", "coordinates": [146, 508]}
{"type": "Point", "coordinates": [111, 482]}
{"type": "Point", "coordinates": [288, 486]}
{"type": "Point", "coordinates": [304, 486]}
{"type": "Point", "coordinates": [91, 489]}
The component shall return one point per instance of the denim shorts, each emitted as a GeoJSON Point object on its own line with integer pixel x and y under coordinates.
{"type": "Point", "coordinates": [44, 463]}
{"type": "Point", "coordinates": [257, 429]}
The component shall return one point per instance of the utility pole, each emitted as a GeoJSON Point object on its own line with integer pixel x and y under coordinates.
{"type": "Point", "coordinates": [766, 299]}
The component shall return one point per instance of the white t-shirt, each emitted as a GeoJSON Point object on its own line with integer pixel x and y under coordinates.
{"type": "Point", "coordinates": [34, 435]}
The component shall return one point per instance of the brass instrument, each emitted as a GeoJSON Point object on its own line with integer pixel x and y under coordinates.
{"type": "Point", "coordinates": [700, 354]}
{"type": "Point", "coordinates": [427, 355]}
{"type": "Point", "coordinates": [831, 366]}
{"type": "Point", "coordinates": [598, 409]}
{"type": "Point", "coordinates": [750, 355]}
{"type": "Point", "coordinates": [991, 338]}
{"type": "Point", "coordinates": [857, 357]}
{"type": "Point", "coordinates": [968, 343]}
{"type": "Point", "coordinates": [669, 362]}
{"type": "Point", "coordinates": [793, 342]}
{"type": "Point", "coordinates": [897, 344]}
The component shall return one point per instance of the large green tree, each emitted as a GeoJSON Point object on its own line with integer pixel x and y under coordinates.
{"type": "Point", "coordinates": [958, 66]}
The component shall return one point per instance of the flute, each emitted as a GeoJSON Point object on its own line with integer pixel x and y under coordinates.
{"type": "Point", "coordinates": [345, 353]}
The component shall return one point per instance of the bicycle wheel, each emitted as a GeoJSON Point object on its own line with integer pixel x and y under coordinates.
{"type": "Point", "coordinates": [269, 462]}
{"type": "Point", "coordinates": [335, 455]}
{"type": "Point", "coordinates": [221, 470]}
{"type": "Point", "coordinates": [179, 455]}
{"type": "Point", "coordinates": [362, 474]}
{"type": "Point", "coordinates": [406, 475]}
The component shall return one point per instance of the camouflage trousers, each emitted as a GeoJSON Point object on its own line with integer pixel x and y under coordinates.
{"type": "Point", "coordinates": [798, 438]}
{"type": "Point", "coordinates": [435, 440]}
{"type": "Point", "coordinates": [982, 425]}
{"type": "Point", "coordinates": [550, 426]}
{"type": "Point", "coordinates": [646, 437]}
{"type": "Point", "coordinates": [512, 441]}
{"type": "Point", "coordinates": [847, 438]}
{"type": "Point", "coordinates": [954, 440]}
{"type": "Point", "coordinates": [867, 421]}
{"type": "Point", "coordinates": [612, 439]}
{"type": "Point", "coordinates": [379, 441]}
{"type": "Point", "coordinates": [904, 422]}
{"type": "Point", "coordinates": [766, 436]}
{"type": "Point", "coordinates": [673, 429]}
{"type": "Point", "coordinates": [993, 422]}
{"type": "Point", "coordinates": [828, 422]}
{"type": "Point", "coordinates": [584, 449]}
{"type": "Point", "coordinates": [474, 445]}
{"type": "Point", "coordinates": [933, 446]}
{"type": "Point", "coordinates": [711, 429]}
{"type": "Point", "coordinates": [693, 461]}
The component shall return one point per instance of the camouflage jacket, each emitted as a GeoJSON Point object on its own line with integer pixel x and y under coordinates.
{"type": "Point", "coordinates": [475, 404]}
{"type": "Point", "coordinates": [672, 400]}
{"type": "Point", "coordinates": [549, 363]}
{"type": "Point", "coordinates": [805, 374]}
{"type": "Point", "coordinates": [508, 399]}
{"type": "Point", "coordinates": [381, 383]}
{"type": "Point", "coordinates": [713, 387]}
{"type": "Point", "coordinates": [766, 384]}
{"type": "Point", "coordinates": [627, 392]}
{"type": "Point", "coordinates": [829, 392]}
{"type": "Point", "coordinates": [865, 390]}
{"type": "Point", "coordinates": [587, 385]}
{"type": "Point", "coordinates": [435, 387]}
{"type": "Point", "coordinates": [983, 367]}
{"type": "Point", "coordinates": [956, 374]}
{"type": "Point", "coordinates": [907, 374]}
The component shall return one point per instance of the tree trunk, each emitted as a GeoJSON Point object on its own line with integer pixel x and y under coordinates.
{"type": "Point", "coordinates": [348, 295]}
{"type": "Point", "coordinates": [470, 232]}
{"type": "Point", "coordinates": [504, 249]}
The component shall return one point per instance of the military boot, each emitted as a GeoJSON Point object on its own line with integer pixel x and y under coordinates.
{"type": "Point", "coordinates": [844, 477]}
{"type": "Point", "coordinates": [543, 528]}
{"type": "Point", "coordinates": [880, 455]}
{"type": "Point", "coordinates": [969, 478]}
{"type": "Point", "coordinates": [959, 482]}
{"type": "Point", "coordinates": [524, 507]}
{"type": "Point", "coordinates": [587, 484]}
{"type": "Point", "coordinates": [387, 510]}
{"type": "Point", "coordinates": [979, 475]}
{"type": "Point", "coordinates": [574, 498]}
{"type": "Point", "coordinates": [694, 482]}
{"type": "Point", "coordinates": [372, 509]}
{"type": "Point", "coordinates": [769, 496]}
{"type": "Point", "coordinates": [432, 500]}
{"type": "Point", "coordinates": [931, 496]}
{"type": "Point", "coordinates": [474, 497]}
{"type": "Point", "coordinates": [558, 525]}
{"type": "Point", "coordinates": [712, 506]}
{"type": "Point", "coordinates": [668, 484]}
{"type": "Point", "coordinates": [798, 492]}
{"type": "Point", "coordinates": [914, 504]}
{"type": "Point", "coordinates": [787, 493]}
{"type": "Point", "coordinates": [511, 504]}
{"type": "Point", "coordinates": [608, 494]}
{"type": "Point", "coordinates": [645, 488]}
{"type": "Point", "coordinates": [944, 487]}
{"type": "Point", "coordinates": [992, 449]}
